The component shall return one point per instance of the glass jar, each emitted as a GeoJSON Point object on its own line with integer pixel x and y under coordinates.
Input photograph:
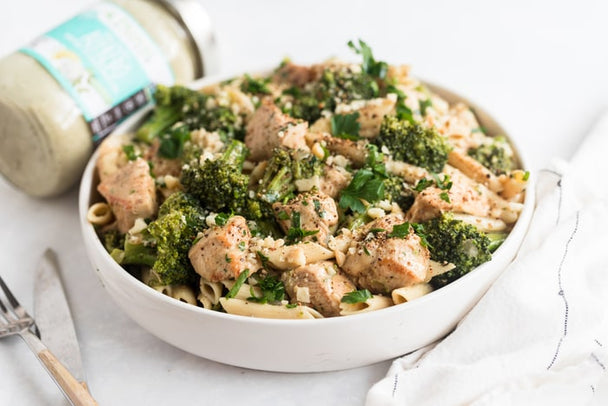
{"type": "Point", "coordinates": [61, 94]}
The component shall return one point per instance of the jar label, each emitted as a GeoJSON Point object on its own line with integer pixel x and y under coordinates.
{"type": "Point", "coordinates": [107, 63]}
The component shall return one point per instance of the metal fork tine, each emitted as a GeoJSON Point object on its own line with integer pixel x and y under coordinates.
{"type": "Point", "coordinates": [16, 307]}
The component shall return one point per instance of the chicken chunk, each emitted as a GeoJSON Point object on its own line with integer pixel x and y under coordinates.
{"type": "Point", "coordinates": [295, 75]}
{"type": "Point", "coordinates": [321, 285]}
{"type": "Point", "coordinates": [162, 166]}
{"type": "Point", "coordinates": [382, 264]}
{"type": "Point", "coordinates": [334, 179]}
{"type": "Point", "coordinates": [316, 212]}
{"type": "Point", "coordinates": [111, 156]}
{"type": "Point", "coordinates": [223, 251]}
{"type": "Point", "coordinates": [130, 193]}
{"type": "Point", "coordinates": [371, 113]}
{"type": "Point", "coordinates": [355, 151]}
{"type": "Point", "coordinates": [465, 196]}
{"type": "Point", "coordinates": [269, 128]}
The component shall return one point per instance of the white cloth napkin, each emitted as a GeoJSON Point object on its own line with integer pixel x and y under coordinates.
{"type": "Point", "coordinates": [540, 334]}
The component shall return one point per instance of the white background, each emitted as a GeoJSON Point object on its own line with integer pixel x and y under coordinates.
{"type": "Point", "coordinates": [540, 67]}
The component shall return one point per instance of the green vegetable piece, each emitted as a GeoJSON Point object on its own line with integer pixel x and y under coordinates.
{"type": "Point", "coordinates": [413, 143]}
{"type": "Point", "coordinates": [238, 283]}
{"type": "Point", "coordinates": [255, 86]}
{"type": "Point", "coordinates": [172, 142]}
{"type": "Point", "coordinates": [346, 126]}
{"type": "Point", "coordinates": [400, 231]}
{"type": "Point", "coordinates": [296, 233]}
{"type": "Point", "coordinates": [494, 157]}
{"type": "Point", "coordinates": [458, 243]}
{"type": "Point", "coordinates": [273, 290]}
{"type": "Point", "coordinates": [365, 186]}
{"type": "Point", "coordinates": [357, 296]}
{"type": "Point", "coordinates": [129, 151]}
{"type": "Point", "coordinates": [370, 65]}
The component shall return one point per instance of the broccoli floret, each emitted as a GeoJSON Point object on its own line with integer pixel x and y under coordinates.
{"type": "Point", "coordinates": [284, 167]}
{"type": "Point", "coordinates": [336, 85]}
{"type": "Point", "coordinates": [193, 110]}
{"type": "Point", "coordinates": [112, 239]}
{"type": "Point", "coordinates": [177, 201]}
{"type": "Point", "coordinates": [456, 242]}
{"type": "Point", "coordinates": [174, 233]}
{"type": "Point", "coordinates": [396, 190]}
{"type": "Point", "coordinates": [172, 105]}
{"type": "Point", "coordinates": [138, 254]}
{"type": "Point", "coordinates": [494, 157]}
{"type": "Point", "coordinates": [413, 143]}
{"type": "Point", "coordinates": [219, 184]}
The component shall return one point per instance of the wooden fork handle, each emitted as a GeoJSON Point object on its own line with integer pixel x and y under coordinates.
{"type": "Point", "coordinates": [73, 389]}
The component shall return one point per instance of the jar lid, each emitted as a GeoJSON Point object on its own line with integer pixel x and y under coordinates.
{"type": "Point", "coordinates": [193, 16]}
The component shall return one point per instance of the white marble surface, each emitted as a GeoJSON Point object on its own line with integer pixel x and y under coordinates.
{"type": "Point", "coordinates": [540, 67]}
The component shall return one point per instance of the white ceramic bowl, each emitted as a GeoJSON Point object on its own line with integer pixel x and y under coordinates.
{"type": "Point", "coordinates": [298, 345]}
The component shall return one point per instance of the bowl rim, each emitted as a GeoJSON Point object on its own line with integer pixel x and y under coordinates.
{"type": "Point", "coordinates": [88, 230]}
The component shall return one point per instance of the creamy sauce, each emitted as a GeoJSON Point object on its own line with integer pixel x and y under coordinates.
{"type": "Point", "coordinates": [44, 140]}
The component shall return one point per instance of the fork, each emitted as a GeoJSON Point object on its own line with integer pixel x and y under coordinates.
{"type": "Point", "coordinates": [15, 320]}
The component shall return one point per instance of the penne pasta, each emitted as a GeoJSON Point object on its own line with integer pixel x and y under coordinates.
{"type": "Point", "coordinates": [292, 256]}
{"type": "Point", "coordinates": [100, 214]}
{"type": "Point", "coordinates": [282, 311]}
{"type": "Point", "coordinates": [376, 302]}
{"type": "Point", "coordinates": [183, 293]}
{"type": "Point", "coordinates": [212, 291]}
{"type": "Point", "coordinates": [409, 293]}
{"type": "Point", "coordinates": [474, 170]}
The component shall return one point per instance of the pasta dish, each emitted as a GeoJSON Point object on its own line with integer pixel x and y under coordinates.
{"type": "Point", "coordinates": [313, 191]}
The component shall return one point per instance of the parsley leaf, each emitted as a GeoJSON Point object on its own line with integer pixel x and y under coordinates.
{"type": "Point", "coordinates": [403, 112]}
{"type": "Point", "coordinates": [273, 290]}
{"type": "Point", "coordinates": [237, 284]}
{"type": "Point", "coordinates": [296, 232]}
{"type": "Point", "coordinates": [357, 296]}
{"type": "Point", "coordinates": [370, 65]}
{"type": "Point", "coordinates": [400, 231]}
{"type": "Point", "coordinates": [423, 184]}
{"type": "Point", "coordinates": [365, 185]}
{"type": "Point", "coordinates": [425, 104]}
{"type": "Point", "coordinates": [346, 126]}
{"type": "Point", "coordinates": [172, 142]}
{"type": "Point", "coordinates": [222, 218]}
{"type": "Point", "coordinates": [255, 86]}
{"type": "Point", "coordinates": [263, 259]}
{"type": "Point", "coordinates": [129, 151]}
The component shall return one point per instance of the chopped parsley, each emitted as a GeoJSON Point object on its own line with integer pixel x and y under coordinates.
{"type": "Point", "coordinates": [273, 290]}
{"type": "Point", "coordinates": [222, 218]}
{"type": "Point", "coordinates": [296, 232]}
{"type": "Point", "coordinates": [370, 65]}
{"type": "Point", "coordinates": [365, 186]}
{"type": "Point", "coordinates": [423, 184]}
{"type": "Point", "coordinates": [424, 105]}
{"type": "Point", "coordinates": [255, 86]}
{"type": "Point", "coordinates": [172, 142]}
{"type": "Point", "coordinates": [263, 259]}
{"type": "Point", "coordinates": [400, 231]}
{"type": "Point", "coordinates": [129, 151]}
{"type": "Point", "coordinates": [357, 296]}
{"type": "Point", "coordinates": [403, 112]}
{"type": "Point", "coordinates": [237, 284]}
{"type": "Point", "coordinates": [241, 245]}
{"type": "Point", "coordinates": [317, 204]}
{"type": "Point", "coordinates": [346, 126]}
{"type": "Point", "coordinates": [444, 184]}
